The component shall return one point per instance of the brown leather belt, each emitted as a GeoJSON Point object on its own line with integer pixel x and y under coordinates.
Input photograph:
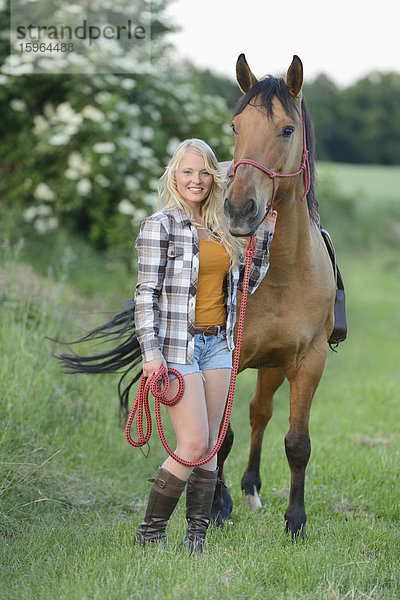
{"type": "Point", "coordinates": [210, 330]}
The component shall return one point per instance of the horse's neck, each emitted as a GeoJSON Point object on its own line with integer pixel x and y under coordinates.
{"type": "Point", "coordinates": [292, 246]}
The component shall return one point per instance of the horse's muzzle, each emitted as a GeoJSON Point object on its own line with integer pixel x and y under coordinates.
{"type": "Point", "coordinates": [242, 220]}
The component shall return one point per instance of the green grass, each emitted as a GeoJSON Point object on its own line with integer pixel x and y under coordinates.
{"type": "Point", "coordinates": [72, 491]}
{"type": "Point", "coordinates": [360, 206]}
{"type": "Point", "coordinates": [374, 182]}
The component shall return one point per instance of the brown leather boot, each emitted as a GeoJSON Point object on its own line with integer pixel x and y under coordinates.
{"type": "Point", "coordinates": [164, 496]}
{"type": "Point", "coordinates": [199, 498]}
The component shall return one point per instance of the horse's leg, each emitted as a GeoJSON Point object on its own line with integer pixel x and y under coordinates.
{"type": "Point", "coordinates": [261, 407]}
{"type": "Point", "coordinates": [222, 503]}
{"type": "Point", "coordinates": [297, 440]}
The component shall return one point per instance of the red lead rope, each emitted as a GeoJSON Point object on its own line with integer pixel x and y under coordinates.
{"type": "Point", "coordinates": [153, 385]}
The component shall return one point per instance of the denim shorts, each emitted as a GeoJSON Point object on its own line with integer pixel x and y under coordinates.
{"type": "Point", "coordinates": [210, 352]}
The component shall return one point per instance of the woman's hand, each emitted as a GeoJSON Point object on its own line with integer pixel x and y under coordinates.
{"type": "Point", "coordinates": [268, 224]}
{"type": "Point", "coordinates": [153, 366]}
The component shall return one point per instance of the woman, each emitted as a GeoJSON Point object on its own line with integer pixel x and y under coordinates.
{"type": "Point", "coordinates": [189, 269]}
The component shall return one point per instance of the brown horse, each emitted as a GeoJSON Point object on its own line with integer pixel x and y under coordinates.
{"type": "Point", "coordinates": [290, 317]}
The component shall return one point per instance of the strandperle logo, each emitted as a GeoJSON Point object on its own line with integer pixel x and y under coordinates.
{"type": "Point", "coordinates": [54, 36]}
{"type": "Point", "coordinates": [84, 31]}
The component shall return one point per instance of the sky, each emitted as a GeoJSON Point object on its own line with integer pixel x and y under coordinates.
{"type": "Point", "coordinates": [345, 39]}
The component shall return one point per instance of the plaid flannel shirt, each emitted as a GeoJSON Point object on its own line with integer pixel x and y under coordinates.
{"type": "Point", "coordinates": [165, 297]}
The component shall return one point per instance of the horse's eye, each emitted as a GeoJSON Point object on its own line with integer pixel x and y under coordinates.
{"type": "Point", "coordinates": [233, 128]}
{"type": "Point", "coordinates": [287, 131]}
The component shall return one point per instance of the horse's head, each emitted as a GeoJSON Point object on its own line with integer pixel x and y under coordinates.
{"type": "Point", "coordinates": [268, 129]}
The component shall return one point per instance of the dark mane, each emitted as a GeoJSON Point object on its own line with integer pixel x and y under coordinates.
{"type": "Point", "coordinates": [265, 90]}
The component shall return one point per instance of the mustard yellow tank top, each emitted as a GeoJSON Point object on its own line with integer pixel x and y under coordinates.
{"type": "Point", "coordinates": [214, 265]}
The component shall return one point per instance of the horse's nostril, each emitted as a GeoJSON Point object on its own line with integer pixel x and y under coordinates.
{"type": "Point", "coordinates": [239, 213]}
{"type": "Point", "coordinates": [227, 207]}
{"type": "Point", "coordinates": [251, 208]}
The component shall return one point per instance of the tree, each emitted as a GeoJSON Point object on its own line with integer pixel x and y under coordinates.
{"type": "Point", "coordinates": [370, 110]}
{"type": "Point", "coordinates": [86, 151]}
{"type": "Point", "coordinates": [205, 81]}
{"type": "Point", "coordinates": [322, 98]}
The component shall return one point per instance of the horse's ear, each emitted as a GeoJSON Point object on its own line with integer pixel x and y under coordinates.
{"type": "Point", "coordinates": [294, 77]}
{"type": "Point", "coordinates": [244, 76]}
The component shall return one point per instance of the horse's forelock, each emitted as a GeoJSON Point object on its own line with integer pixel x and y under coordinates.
{"type": "Point", "coordinates": [265, 90]}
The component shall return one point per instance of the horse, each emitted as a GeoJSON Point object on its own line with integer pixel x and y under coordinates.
{"type": "Point", "coordinates": [290, 317]}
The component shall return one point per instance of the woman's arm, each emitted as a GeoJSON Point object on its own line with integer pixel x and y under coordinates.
{"type": "Point", "coordinates": [151, 245]}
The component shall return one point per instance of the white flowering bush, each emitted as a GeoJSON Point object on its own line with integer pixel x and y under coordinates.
{"type": "Point", "coordinates": [85, 152]}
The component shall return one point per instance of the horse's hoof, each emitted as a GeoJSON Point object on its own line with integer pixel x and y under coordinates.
{"type": "Point", "coordinates": [295, 520]}
{"type": "Point", "coordinates": [297, 533]}
{"type": "Point", "coordinates": [253, 501]}
{"type": "Point", "coordinates": [221, 522]}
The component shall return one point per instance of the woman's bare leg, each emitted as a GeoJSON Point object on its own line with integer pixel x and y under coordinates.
{"type": "Point", "coordinates": [216, 386]}
{"type": "Point", "coordinates": [197, 417]}
{"type": "Point", "coordinates": [189, 419]}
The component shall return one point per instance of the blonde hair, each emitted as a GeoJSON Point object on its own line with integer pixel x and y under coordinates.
{"type": "Point", "coordinates": [212, 207]}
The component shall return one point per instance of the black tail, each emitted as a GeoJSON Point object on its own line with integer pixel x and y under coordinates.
{"type": "Point", "coordinates": [123, 357]}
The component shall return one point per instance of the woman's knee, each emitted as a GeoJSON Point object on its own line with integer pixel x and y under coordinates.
{"type": "Point", "coordinates": [196, 447]}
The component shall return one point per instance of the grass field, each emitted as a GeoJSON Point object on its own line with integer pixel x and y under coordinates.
{"type": "Point", "coordinates": [374, 182]}
{"type": "Point", "coordinates": [360, 206]}
{"type": "Point", "coordinates": [72, 491]}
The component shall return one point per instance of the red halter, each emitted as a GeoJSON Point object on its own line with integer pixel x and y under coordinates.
{"type": "Point", "coordinates": [304, 168]}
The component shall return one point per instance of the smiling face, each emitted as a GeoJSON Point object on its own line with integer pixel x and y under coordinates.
{"type": "Point", "coordinates": [193, 181]}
